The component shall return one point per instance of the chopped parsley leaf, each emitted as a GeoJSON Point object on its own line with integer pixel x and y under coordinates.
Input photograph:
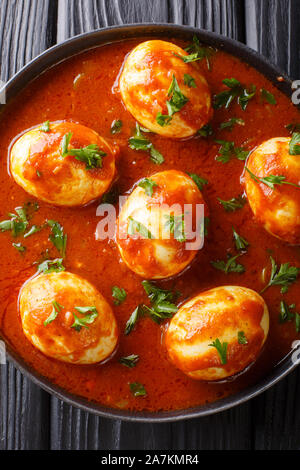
{"type": "Point", "coordinates": [57, 237]}
{"type": "Point", "coordinates": [271, 180]}
{"type": "Point", "coordinates": [137, 389]}
{"type": "Point", "coordinates": [148, 184]}
{"type": "Point", "coordinates": [235, 91]}
{"type": "Point", "coordinates": [45, 127]}
{"type": "Point", "coordinates": [268, 97]}
{"type": "Point", "coordinates": [229, 265]}
{"type": "Point", "coordinates": [294, 145]}
{"type": "Point", "coordinates": [221, 348]}
{"type": "Point", "coordinates": [119, 294]}
{"type": "Point", "coordinates": [200, 182]}
{"type": "Point", "coordinates": [189, 81]}
{"type": "Point", "coordinates": [129, 361]}
{"type": "Point", "coordinates": [55, 311]}
{"type": "Point", "coordinates": [233, 204]}
{"type": "Point", "coordinates": [242, 338]}
{"type": "Point", "coordinates": [90, 313]}
{"type": "Point", "coordinates": [283, 276]}
{"type": "Point", "coordinates": [51, 266]}
{"type": "Point", "coordinates": [240, 242]}
{"type": "Point", "coordinates": [116, 126]}
{"type": "Point", "coordinates": [135, 226]}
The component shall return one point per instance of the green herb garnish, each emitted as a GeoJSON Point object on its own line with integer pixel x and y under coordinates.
{"type": "Point", "coordinates": [135, 226]}
{"type": "Point", "coordinates": [294, 145]}
{"type": "Point", "coordinates": [200, 182]}
{"type": "Point", "coordinates": [285, 312]}
{"type": "Point", "coordinates": [19, 220]}
{"type": "Point", "coordinates": [65, 143]}
{"type": "Point", "coordinates": [119, 294]}
{"type": "Point", "coordinates": [175, 224]}
{"type": "Point", "coordinates": [293, 127]}
{"type": "Point", "coordinates": [55, 311]}
{"type": "Point", "coordinates": [283, 276]}
{"type": "Point", "coordinates": [136, 314]}
{"type": "Point", "coordinates": [57, 237]}
{"type": "Point", "coordinates": [45, 127]}
{"type": "Point", "coordinates": [148, 184]}
{"type": "Point", "coordinates": [34, 229]}
{"type": "Point", "coordinates": [242, 338]}
{"type": "Point", "coordinates": [19, 247]}
{"type": "Point", "coordinates": [90, 313]}
{"type": "Point", "coordinates": [140, 142]}
{"type": "Point", "coordinates": [178, 100]}
{"type": "Point", "coordinates": [205, 131]}
{"type": "Point", "coordinates": [230, 265]}
{"type": "Point", "coordinates": [163, 119]}
{"type": "Point", "coordinates": [240, 242]}
{"type": "Point", "coordinates": [51, 266]}
{"type": "Point", "coordinates": [91, 155]}
{"type": "Point", "coordinates": [189, 81]}
{"type": "Point", "coordinates": [231, 123]}
{"type": "Point", "coordinates": [233, 204]}
{"type": "Point", "coordinates": [228, 151]}
{"type": "Point", "coordinates": [137, 389]}
{"type": "Point", "coordinates": [235, 91]}
{"type": "Point", "coordinates": [198, 52]}
{"type": "Point", "coordinates": [221, 348]}
{"type": "Point", "coordinates": [268, 97]}
{"type": "Point", "coordinates": [129, 361]}
{"type": "Point", "coordinates": [271, 180]}
{"type": "Point", "coordinates": [116, 126]}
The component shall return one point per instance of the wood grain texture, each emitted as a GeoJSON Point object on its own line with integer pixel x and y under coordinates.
{"type": "Point", "coordinates": [29, 418]}
{"type": "Point", "coordinates": [222, 16]}
{"type": "Point", "coordinates": [272, 28]}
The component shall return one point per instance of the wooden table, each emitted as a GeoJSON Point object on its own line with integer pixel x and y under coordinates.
{"type": "Point", "coordinates": [29, 417]}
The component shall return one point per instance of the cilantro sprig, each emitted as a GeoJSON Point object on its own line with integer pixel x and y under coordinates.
{"type": "Point", "coordinates": [294, 145]}
{"type": "Point", "coordinates": [229, 265]}
{"type": "Point", "coordinates": [90, 313]}
{"type": "Point", "coordinates": [197, 52]}
{"type": "Point", "coordinates": [228, 150]}
{"type": "Point", "coordinates": [139, 142]}
{"type": "Point", "coordinates": [174, 104]}
{"type": "Point", "coordinates": [134, 227]}
{"type": "Point", "coordinates": [221, 349]}
{"type": "Point", "coordinates": [233, 204]}
{"type": "Point", "coordinates": [57, 237]}
{"type": "Point", "coordinates": [283, 276]}
{"type": "Point", "coordinates": [51, 266]}
{"type": "Point", "coordinates": [175, 224]}
{"type": "Point", "coordinates": [199, 180]}
{"type": "Point", "coordinates": [148, 185]}
{"type": "Point", "coordinates": [91, 155]}
{"type": "Point", "coordinates": [119, 294]}
{"type": "Point", "coordinates": [56, 308]}
{"type": "Point", "coordinates": [241, 243]}
{"type": "Point", "coordinates": [271, 180]}
{"type": "Point", "coordinates": [137, 389]}
{"type": "Point", "coordinates": [129, 361]}
{"type": "Point", "coordinates": [235, 91]}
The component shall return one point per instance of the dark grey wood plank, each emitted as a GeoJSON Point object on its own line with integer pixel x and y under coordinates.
{"type": "Point", "coordinates": [25, 31]}
{"type": "Point", "coordinates": [70, 428]}
{"type": "Point", "coordinates": [222, 16]}
{"type": "Point", "coordinates": [272, 28]}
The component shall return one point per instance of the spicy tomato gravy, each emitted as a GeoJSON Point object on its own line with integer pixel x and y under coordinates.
{"type": "Point", "coordinates": [93, 100]}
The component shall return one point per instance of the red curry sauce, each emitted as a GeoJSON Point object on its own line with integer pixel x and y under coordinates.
{"type": "Point", "coordinates": [94, 102]}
